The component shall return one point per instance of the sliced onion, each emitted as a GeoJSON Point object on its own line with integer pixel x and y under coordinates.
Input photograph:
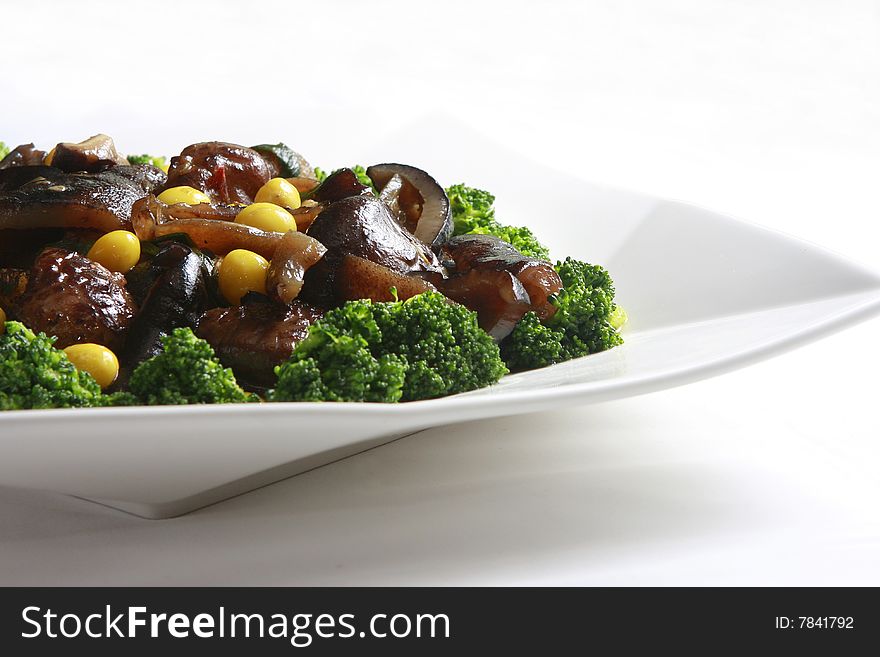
{"type": "Point", "coordinates": [151, 219]}
{"type": "Point", "coordinates": [296, 252]}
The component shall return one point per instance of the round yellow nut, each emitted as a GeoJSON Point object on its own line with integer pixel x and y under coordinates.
{"type": "Point", "coordinates": [183, 194]}
{"type": "Point", "coordinates": [95, 359]}
{"type": "Point", "coordinates": [118, 250]}
{"type": "Point", "coordinates": [242, 271]}
{"type": "Point", "coordinates": [267, 216]}
{"type": "Point", "coordinates": [2, 321]}
{"type": "Point", "coordinates": [280, 192]}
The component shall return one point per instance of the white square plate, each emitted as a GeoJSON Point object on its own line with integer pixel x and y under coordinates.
{"type": "Point", "coordinates": [705, 294]}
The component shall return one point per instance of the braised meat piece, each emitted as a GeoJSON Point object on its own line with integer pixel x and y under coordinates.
{"type": "Point", "coordinates": [486, 253]}
{"type": "Point", "coordinates": [357, 278]}
{"type": "Point", "coordinates": [46, 197]}
{"type": "Point", "coordinates": [76, 300]}
{"type": "Point", "coordinates": [253, 338]}
{"type": "Point", "coordinates": [227, 173]}
{"type": "Point", "coordinates": [362, 226]}
{"type": "Point", "coordinates": [492, 278]}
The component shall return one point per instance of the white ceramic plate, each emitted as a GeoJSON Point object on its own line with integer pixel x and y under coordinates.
{"type": "Point", "coordinates": [705, 294]}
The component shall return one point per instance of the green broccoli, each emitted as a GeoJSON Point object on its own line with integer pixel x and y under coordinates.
{"type": "Point", "coordinates": [420, 348]}
{"type": "Point", "coordinates": [359, 171]}
{"type": "Point", "coordinates": [156, 161]}
{"type": "Point", "coordinates": [4, 150]}
{"type": "Point", "coordinates": [586, 321]}
{"type": "Point", "coordinates": [532, 345]}
{"type": "Point", "coordinates": [34, 374]}
{"type": "Point", "coordinates": [333, 367]}
{"type": "Point", "coordinates": [473, 214]}
{"type": "Point", "coordinates": [119, 398]}
{"type": "Point", "coordinates": [185, 372]}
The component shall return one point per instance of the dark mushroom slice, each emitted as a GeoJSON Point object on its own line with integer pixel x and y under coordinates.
{"type": "Point", "coordinates": [487, 253]}
{"type": "Point", "coordinates": [362, 226]}
{"type": "Point", "coordinates": [227, 173]}
{"type": "Point", "coordinates": [497, 296]}
{"type": "Point", "coordinates": [152, 219]}
{"type": "Point", "coordinates": [421, 199]}
{"type": "Point", "coordinates": [76, 300]}
{"type": "Point", "coordinates": [255, 337]}
{"type": "Point", "coordinates": [357, 278]}
{"type": "Point", "coordinates": [95, 154]}
{"type": "Point", "coordinates": [296, 253]}
{"type": "Point", "coordinates": [177, 297]}
{"type": "Point", "coordinates": [339, 185]}
{"type": "Point", "coordinates": [100, 201]}
{"type": "Point", "coordinates": [22, 156]}
{"type": "Point", "coordinates": [287, 163]}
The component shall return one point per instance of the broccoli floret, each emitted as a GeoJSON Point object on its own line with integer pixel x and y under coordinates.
{"type": "Point", "coordinates": [156, 161]}
{"type": "Point", "coordinates": [359, 171]}
{"type": "Point", "coordinates": [445, 348]}
{"type": "Point", "coordinates": [328, 366]}
{"type": "Point", "coordinates": [4, 150]}
{"type": "Point", "coordinates": [185, 372]}
{"type": "Point", "coordinates": [34, 374]}
{"type": "Point", "coordinates": [119, 398]}
{"type": "Point", "coordinates": [586, 321]}
{"type": "Point", "coordinates": [532, 345]}
{"type": "Point", "coordinates": [473, 214]}
{"type": "Point", "coordinates": [420, 348]}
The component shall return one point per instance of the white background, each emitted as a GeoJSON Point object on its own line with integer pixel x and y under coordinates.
{"type": "Point", "coordinates": [767, 110]}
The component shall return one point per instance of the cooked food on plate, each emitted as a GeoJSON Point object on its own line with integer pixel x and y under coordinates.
{"type": "Point", "coordinates": [245, 274]}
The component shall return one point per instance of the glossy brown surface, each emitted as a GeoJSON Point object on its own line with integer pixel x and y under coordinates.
{"type": "Point", "coordinates": [362, 226]}
{"type": "Point", "coordinates": [227, 173]}
{"type": "Point", "coordinates": [357, 278]}
{"type": "Point", "coordinates": [304, 185]}
{"type": "Point", "coordinates": [94, 154]}
{"type": "Point", "coordinates": [51, 198]}
{"type": "Point", "coordinates": [296, 253]}
{"type": "Point", "coordinates": [486, 253]}
{"type": "Point", "coordinates": [176, 295]}
{"type": "Point", "coordinates": [24, 155]}
{"type": "Point", "coordinates": [253, 338]}
{"type": "Point", "coordinates": [339, 185]}
{"type": "Point", "coordinates": [77, 300]}
{"type": "Point", "coordinates": [420, 201]}
{"type": "Point", "coordinates": [204, 224]}
{"type": "Point", "coordinates": [497, 296]}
